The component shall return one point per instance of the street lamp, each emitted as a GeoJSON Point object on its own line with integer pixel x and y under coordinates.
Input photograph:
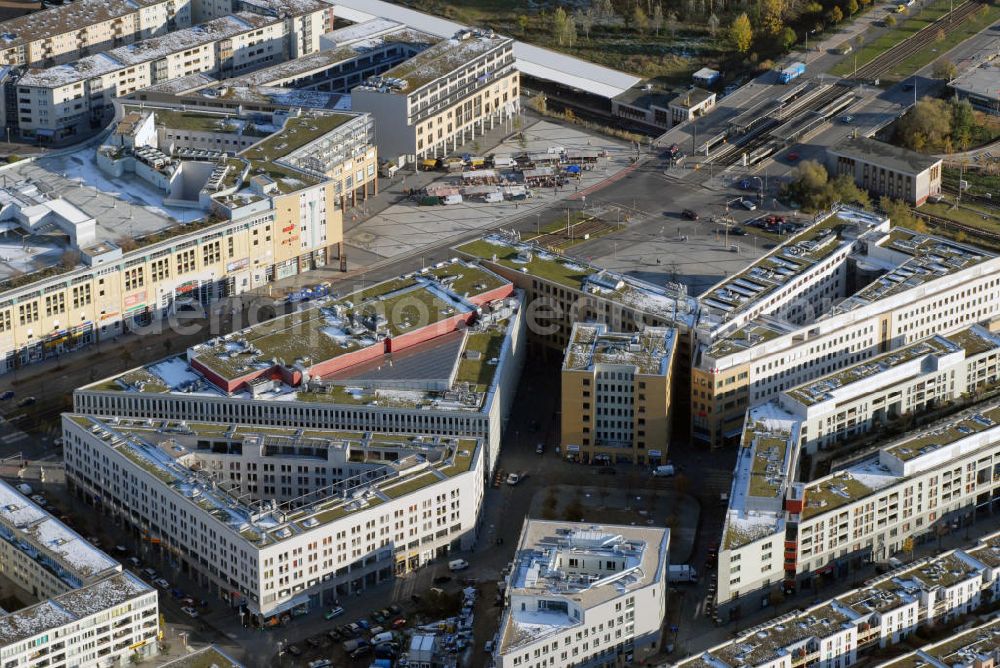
{"type": "Point", "coordinates": [761, 196]}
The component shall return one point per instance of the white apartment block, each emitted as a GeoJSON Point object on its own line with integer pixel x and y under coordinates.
{"type": "Point", "coordinates": [444, 96]}
{"type": "Point", "coordinates": [64, 101]}
{"type": "Point", "coordinates": [454, 374]}
{"type": "Point", "coordinates": [912, 286]}
{"type": "Point", "coordinates": [779, 531]}
{"type": "Point", "coordinates": [583, 595]}
{"type": "Point", "coordinates": [884, 612]}
{"type": "Point", "coordinates": [921, 376]}
{"type": "Point", "coordinates": [78, 29]}
{"type": "Point", "coordinates": [281, 519]}
{"type": "Point", "coordinates": [89, 611]}
{"type": "Point", "coordinates": [978, 647]}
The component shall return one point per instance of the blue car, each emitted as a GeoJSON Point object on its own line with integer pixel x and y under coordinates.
{"type": "Point", "coordinates": [7, 396]}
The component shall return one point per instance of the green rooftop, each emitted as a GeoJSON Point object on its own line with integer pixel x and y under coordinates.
{"type": "Point", "coordinates": [441, 59]}
{"type": "Point", "coordinates": [944, 433]}
{"type": "Point", "coordinates": [832, 492]}
{"type": "Point", "coordinates": [551, 268]}
{"type": "Point", "coordinates": [818, 390]}
{"type": "Point", "coordinates": [296, 133]}
{"type": "Point", "coordinates": [974, 340]}
{"type": "Point", "coordinates": [767, 472]}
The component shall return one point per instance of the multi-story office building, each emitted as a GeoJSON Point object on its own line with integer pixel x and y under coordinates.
{"type": "Point", "coordinates": [446, 95]}
{"type": "Point", "coordinates": [845, 290]}
{"type": "Point", "coordinates": [616, 394]}
{"type": "Point", "coordinates": [925, 375]}
{"type": "Point", "coordinates": [583, 595]}
{"type": "Point", "coordinates": [436, 352]}
{"type": "Point", "coordinates": [274, 213]}
{"type": "Point", "coordinates": [781, 531]}
{"type": "Point", "coordinates": [884, 169]}
{"type": "Point", "coordinates": [886, 611]}
{"type": "Point", "coordinates": [66, 101]}
{"type": "Point", "coordinates": [88, 611]}
{"type": "Point", "coordinates": [280, 519]}
{"type": "Point", "coordinates": [74, 30]}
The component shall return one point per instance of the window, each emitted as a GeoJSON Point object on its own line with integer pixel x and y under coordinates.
{"type": "Point", "coordinates": [134, 278]}
{"type": "Point", "coordinates": [81, 296]}
{"type": "Point", "coordinates": [55, 304]}
{"type": "Point", "coordinates": [28, 313]}
{"type": "Point", "coordinates": [185, 261]}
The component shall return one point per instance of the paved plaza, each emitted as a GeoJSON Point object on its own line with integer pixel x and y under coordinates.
{"type": "Point", "coordinates": [405, 228]}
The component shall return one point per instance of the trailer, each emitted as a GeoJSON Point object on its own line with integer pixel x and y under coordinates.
{"type": "Point", "coordinates": [792, 72]}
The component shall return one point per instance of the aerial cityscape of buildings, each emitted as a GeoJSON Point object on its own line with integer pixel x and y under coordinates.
{"type": "Point", "coordinates": [349, 333]}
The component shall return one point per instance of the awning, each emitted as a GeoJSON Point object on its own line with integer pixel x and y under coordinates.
{"type": "Point", "coordinates": [45, 132]}
{"type": "Point", "coordinates": [655, 453]}
{"type": "Point", "coordinates": [572, 448]}
{"type": "Point", "coordinates": [294, 602]}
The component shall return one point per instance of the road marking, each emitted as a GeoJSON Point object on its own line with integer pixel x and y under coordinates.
{"type": "Point", "coordinates": [15, 437]}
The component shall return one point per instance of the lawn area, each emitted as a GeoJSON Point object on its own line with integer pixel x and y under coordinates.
{"type": "Point", "coordinates": [909, 27]}
{"type": "Point", "coordinates": [963, 214]}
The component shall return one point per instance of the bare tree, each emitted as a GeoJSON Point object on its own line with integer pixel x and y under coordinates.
{"type": "Point", "coordinates": [713, 24]}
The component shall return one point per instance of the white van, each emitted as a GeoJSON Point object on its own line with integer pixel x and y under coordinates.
{"type": "Point", "coordinates": [380, 638]}
{"type": "Point", "coordinates": [25, 489]}
{"type": "Point", "coordinates": [493, 197]}
{"type": "Point", "coordinates": [503, 161]}
{"type": "Point", "coordinates": [457, 565]}
{"type": "Point", "coordinates": [664, 471]}
{"type": "Point", "coordinates": [452, 199]}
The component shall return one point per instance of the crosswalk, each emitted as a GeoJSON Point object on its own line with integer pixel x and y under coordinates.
{"type": "Point", "coordinates": [13, 437]}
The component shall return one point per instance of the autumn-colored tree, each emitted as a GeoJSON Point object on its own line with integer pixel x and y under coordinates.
{"type": "Point", "coordinates": [836, 15]}
{"type": "Point", "coordinates": [741, 33]}
{"type": "Point", "coordinates": [852, 7]}
{"type": "Point", "coordinates": [771, 13]}
{"type": "Point", "coordinates": [788, 38]}
{"type": "Point", "coordinates": [639, 20]}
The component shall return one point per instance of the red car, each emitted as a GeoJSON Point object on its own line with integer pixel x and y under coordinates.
{"type": "Point", "coordinates": [793, 156]}
{"type": "Point", "coordinates": [399, 623]}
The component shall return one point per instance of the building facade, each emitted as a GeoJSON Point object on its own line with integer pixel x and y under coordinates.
{"type": "Point", "coordinates": [75, 30]}
{"type": "Point", "coordinates": [444, 96]}
{"type": "Point", "coordinates": [883, 169]}
{"type": "Point", "coordinates": [827, 324]}
{"type": "Point", "coordinates": [616, 395]}
{"type": "Point", "coordinates": [279, 519]}
{"type": "Point", "coordinates": [88, 611]}
{"type": "Point", "coordinates": [583, 595]}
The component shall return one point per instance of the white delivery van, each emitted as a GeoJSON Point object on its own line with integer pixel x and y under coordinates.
{"type": "Point", "coordinates": [503, 161]}
{"type": "Point", "coordinates": [452, 199]}
{"type": "Point", "coordinates": [493, 197]}
{"type": "Point", "coordinates": [457, 565]}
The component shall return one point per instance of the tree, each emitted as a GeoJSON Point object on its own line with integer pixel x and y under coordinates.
{"type": "Point", "coordinates": [847, 191]}
{"type": "Point", "coordinates": [522, 23]}
{"type": "Point", "coordinates": [672, 24]}
{"type": "Point", "coordinates": [945, 69]}
{"type": "Point", "coordinates": [639, 20]}
{"type": "Point", "coordinates": [835, 15]}
{"type": "Point", "coordinates": [713, 25]}
{"type": "Point", "coordinates": [852, 7]}
{"type": "Point", "coordinates": [890, 21]}
{"type": "Point", "coordinates": [570, 31]}
{"type": "Point", "coordinates": [558, 27]}
{"type": "Point", "coordinates": [788, 38]}
{"type": "Point", "coordinates": [926, 125]}
{"type": "Point", "coordinates": [584, 20]}
{"type": "Point", "coordinates": [656, 23]}
{"type": "Point", "coordinates": [604, 12]}
{"type": "Point", "coordinates": [740, 33]}
{"type": "Point", "coordinates": [900, 214]}
{"type": "Point", "coordinates": [771, 12]}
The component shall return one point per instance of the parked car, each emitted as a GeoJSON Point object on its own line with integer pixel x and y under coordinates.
{"type": "Point", "coordinates": [7, 395]}
{"type": "Point", "coordinates": [539, 449]}
{"type": "Point", "coordinates": [377, 617]}
{"type": "Point", "coordinates": [690, 214]}
{"type": "Point", "coordinates": [748, 205]}
{"type": "Point", "coordinates": [334, 635]}
{"type": "Point", "coordinates": [150, 573]}
{"type": "Point", "coordinates": [189, 611]}
{"type": "Point", "coordinates": [294, 650]}
{"type": "Point", "coordinates": [738, 231]}
{"type": "Point", "coordinates": [314, 642]}
{"type": "Point", "coordinates": [361, 651]}
{"type": "Point", "coordinates": [27, 401]}
{"type": "Point", "coordinates": [39, 499]}
{"type": "Point", "coordinates": [793, 156]}
{"type": "Point", "coordinates": [513, 479]}
{"type": "Point", "coordinates": [161, 583]}
{"type": "Point", "coordinates": [399, 623]}
{"type": "Point", "coordinates": [395, 609]}
{"type": "Point", "coordinates": [133, 562]}
{"type": "Point", "coordinates": [334, 612]}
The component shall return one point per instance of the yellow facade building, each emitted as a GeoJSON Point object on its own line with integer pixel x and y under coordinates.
{"type": "Point", "coordinates": [616, 394]}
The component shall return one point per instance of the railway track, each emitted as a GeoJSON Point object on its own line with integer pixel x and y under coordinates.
{"type": "Point", "coordinates": [949, 223]}
{"type": "Point", "coordinates": [920, 40]}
